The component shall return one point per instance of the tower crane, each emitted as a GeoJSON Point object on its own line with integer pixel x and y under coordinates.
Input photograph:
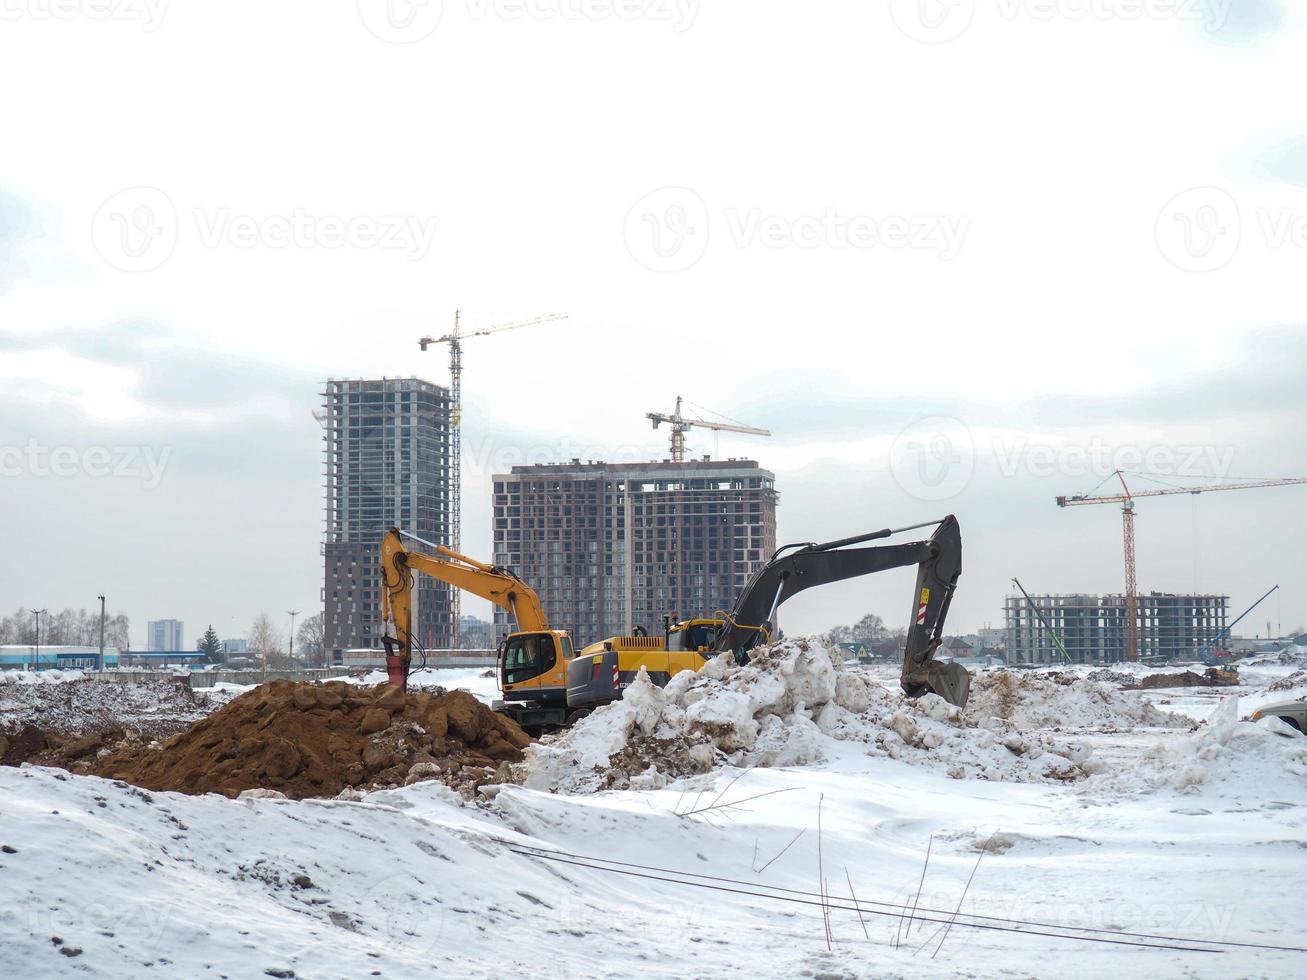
{"type": "Point", "coordinates": [1127, 499]}
{"type": "Point", "coordinates": [680, 424]}
{"type": "Point", "coordinates": [455, 340]}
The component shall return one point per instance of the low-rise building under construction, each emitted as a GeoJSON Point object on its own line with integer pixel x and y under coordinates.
{"type": "Point", "coordinates": [1092, 627]}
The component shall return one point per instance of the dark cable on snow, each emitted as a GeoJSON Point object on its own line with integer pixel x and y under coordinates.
{"type": "Point", "coordinates": [898, 909]}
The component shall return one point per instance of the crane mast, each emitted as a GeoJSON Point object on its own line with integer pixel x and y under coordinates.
{"type": "Point", "coordinates": [680, 424]}
{"type": "Point", "coordinates": [455, 340]}
{"type": "Point", "coordinates": [1127, 499]}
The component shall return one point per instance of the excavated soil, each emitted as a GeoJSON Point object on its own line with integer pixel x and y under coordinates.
{"type": "Point", "coordinates": [307, 740]}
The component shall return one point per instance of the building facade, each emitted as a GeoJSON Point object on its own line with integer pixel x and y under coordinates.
{"type": "Point", "coordinates": [613, 546]}
{"type": "Point", "coordinates": [386, 464]}
{"type": "Point", "coordinates": [1092, 627]}
{"type": "Point", "coordinates": [164, 634]}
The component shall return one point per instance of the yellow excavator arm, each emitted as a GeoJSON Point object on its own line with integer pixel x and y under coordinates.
{"type": "Point", "coordinates": [491, 582]}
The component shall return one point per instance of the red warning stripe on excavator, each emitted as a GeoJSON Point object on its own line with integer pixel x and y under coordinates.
{"type": "Point", "coordinates": [921, 608]}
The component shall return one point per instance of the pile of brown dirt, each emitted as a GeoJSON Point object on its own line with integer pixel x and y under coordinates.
{"type": "Point", "coordinates": [307, 740]}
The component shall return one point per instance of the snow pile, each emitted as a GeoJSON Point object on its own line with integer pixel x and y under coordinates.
{"type": "Point", "coordinates": [790, 706]}
{"type": "Point", "coordinates": [1057, 700]}
{"type": "Point", "coordinates": [1243, 759]}
{"type": "Point", "coordinates": [81, 705]}
{"type": "Point", "coordinates": [39, 676]}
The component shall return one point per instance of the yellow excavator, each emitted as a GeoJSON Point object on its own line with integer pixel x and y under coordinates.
{"type": "Point", "coordinates": [532, 663]}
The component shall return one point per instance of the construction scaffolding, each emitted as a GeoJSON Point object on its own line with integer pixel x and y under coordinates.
{"type": "Point", "coordinates": [385, 464]}
{"type": "Point", "coordinates": [1093, 627]}
{"type": "Point", "coordinates": [614, 546]}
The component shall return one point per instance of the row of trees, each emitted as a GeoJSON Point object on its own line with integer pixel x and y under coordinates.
{"type": "Point", "coordinates": [72, 627]}
{"type": "Point", "coordinates": [267, 642]}
{"type": "Point", "coordinates": [869, 629]}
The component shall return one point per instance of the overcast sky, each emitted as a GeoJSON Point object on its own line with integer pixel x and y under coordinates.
{"type": "Point", "coordinates": [959, 257]}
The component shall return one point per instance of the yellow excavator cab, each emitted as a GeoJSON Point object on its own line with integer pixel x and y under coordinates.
{"type": "Point", "coordinates": [532, 662]}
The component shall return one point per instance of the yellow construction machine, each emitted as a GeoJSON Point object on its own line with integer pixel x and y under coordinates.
{"type": "Point", "coordinates": [532, 662]}
{"type": "Point", "coordinates": [602, 670]}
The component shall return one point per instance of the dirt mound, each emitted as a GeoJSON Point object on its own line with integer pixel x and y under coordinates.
{"type": "Point", "coordinates": [308, 740]}
{"type": "Point", "coordinates": [1297, 679]}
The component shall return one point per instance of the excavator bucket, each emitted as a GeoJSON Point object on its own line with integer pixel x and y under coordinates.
{"type": "Point", "coordinates": [950, 681]}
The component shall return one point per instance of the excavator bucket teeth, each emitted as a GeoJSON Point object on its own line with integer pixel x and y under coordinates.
{"type": "Point", "coordinates": [950, 681]}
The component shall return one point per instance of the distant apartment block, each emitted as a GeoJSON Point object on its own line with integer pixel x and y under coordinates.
{"type": "Point", "coordinates": [164, 634]}
{"type": "Point", "coordinates": [613, 546]}
{"type": "Point", "coordinates": [1092, 627]}
{"type": "Point", "coordinates": [386, 464]}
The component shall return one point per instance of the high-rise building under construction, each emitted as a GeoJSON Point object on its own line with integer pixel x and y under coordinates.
{"type": "Point", "coordinates": [614, 546]}
{"type": "Point", "coordinates": [386, 464]}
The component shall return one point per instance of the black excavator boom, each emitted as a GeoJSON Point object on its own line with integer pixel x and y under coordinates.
{"type": "Point", "coordinates": [795, 568]}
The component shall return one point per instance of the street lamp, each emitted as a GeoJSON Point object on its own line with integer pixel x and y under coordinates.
{"type": "Point", "coordinates": [292, 613]}
{"type": "Point", "coordinates": [36, 646]}
{"type": "Point", "coordinates": [100, 665]}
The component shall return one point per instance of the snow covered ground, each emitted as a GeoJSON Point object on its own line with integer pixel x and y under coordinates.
{"type": "Point", "coordinates": [409, 879]}
{"type": "Point", "coordinates": [1176, 833]}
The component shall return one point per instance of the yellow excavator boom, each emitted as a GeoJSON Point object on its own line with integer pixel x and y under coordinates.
{"type": "Point", "coordinates": [491, 582]}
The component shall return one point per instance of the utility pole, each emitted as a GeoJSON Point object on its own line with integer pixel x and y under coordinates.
{"type": "Point", "coordinates": [292, 613]}
{"type": "Point", "coordinates": [36, 646]}
{"type": "Point", "coordinates": [101, 663]}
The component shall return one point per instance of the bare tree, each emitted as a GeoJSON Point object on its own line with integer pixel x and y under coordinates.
{"type": "Point", "coordinates": [308, 640]}
{"type": "Point", "coordinates": [265, 639]}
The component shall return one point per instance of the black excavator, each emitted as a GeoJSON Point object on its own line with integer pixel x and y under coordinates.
{"type": "Point", "coordinates": [602, 670]}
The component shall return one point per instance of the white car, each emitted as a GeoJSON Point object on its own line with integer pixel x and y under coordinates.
{"type": "Point", "coordinates": [1292, 713]}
